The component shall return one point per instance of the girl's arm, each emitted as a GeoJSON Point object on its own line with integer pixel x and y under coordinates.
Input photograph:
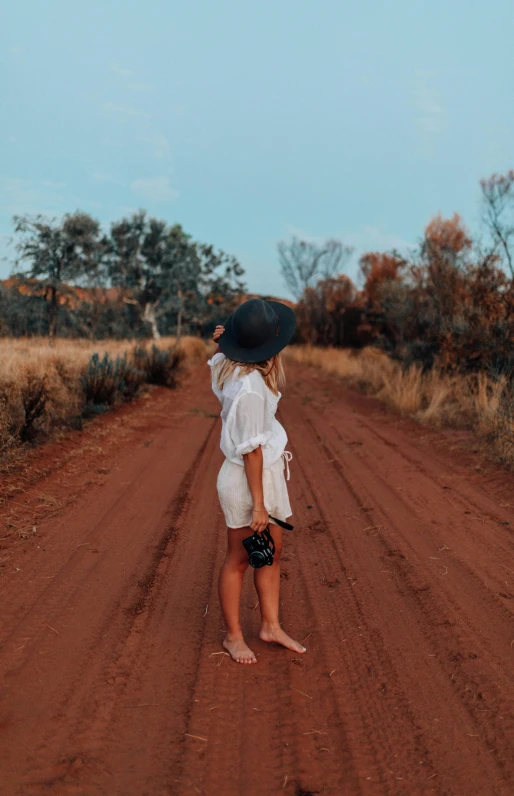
{"type": "Point", "coordinates": [253, 463]}
{"type": "Point", "coordinates": [216, 334]}
{"type": "Point", "coordinates": [249, 430]}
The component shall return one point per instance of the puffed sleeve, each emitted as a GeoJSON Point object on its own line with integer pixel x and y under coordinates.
{"type": "Point", "coordinates": [250, 423]}
{"type": "Point", "coordinates": [215, 359]}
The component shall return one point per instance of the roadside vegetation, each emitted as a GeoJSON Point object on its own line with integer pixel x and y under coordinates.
{"type": "Point", "coordinates": [475, 401]}
{"type": "Point", "coordinates": [45, 387]}
{"type": "Point", "coordinates": [430, 331]}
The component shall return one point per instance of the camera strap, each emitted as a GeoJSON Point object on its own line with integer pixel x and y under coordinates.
{"type": "Point", "coordinates": [267, 535]}
{"type": "Point", "coordinates": [282, 524]}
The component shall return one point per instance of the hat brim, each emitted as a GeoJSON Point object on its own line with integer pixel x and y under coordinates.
{"type": "Point", "coordinates": [233, 350]}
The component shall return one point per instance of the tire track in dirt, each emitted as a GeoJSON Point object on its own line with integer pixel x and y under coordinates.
{"type": "Point", "coordinates": [466, 633]}
{"type": "Point", "coordinates": [114, 680]}
{"type": "Point", "coordinates": [283, 730]}
{"type": "Point", "coordinates": [90, 601]}
{"type": "Point", "coordinates": [365, 680]}
{"type": "Point", "coordinates": [486, 612]}
{"type": "Point", "coordinates": [482, 529]}
{"type": "Point", "coordinates": [434, 616]}
{"type": "Point", "coordinates": [138, 682]}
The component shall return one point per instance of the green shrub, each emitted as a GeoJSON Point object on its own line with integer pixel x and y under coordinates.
{"type": "Point", "coordinates": [107, 381]}
{"type": "Point", "coordinates": [159, 365]}
{"type": "Point", "coordinates": [47, 387]}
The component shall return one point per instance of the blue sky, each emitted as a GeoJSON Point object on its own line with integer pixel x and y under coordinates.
{"type": "Point", "coordinates": [249, 122]}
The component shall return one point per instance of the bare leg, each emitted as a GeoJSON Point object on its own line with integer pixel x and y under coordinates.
{"type": "Point", "coordinates": [267, 583]}
{"type": "Point", "coordinates": [229, 590]}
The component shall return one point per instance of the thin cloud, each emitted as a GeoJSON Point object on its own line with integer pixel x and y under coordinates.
{"type": "Point", "coordinates": [141, 87]}
{"type": "Point", "coordinates": [159, 144]}
{"type": "Point", "coordinates": [33, 197]}
{"type": "Point", "coordinates": [372, 238]}
{"type": "Point", "coordinates": [366, 238]}
{"type": "Point", "coordinates": [115, 67]}
{"type": "Point", "coordinates": [134, 84]}
{"type": "Point", "coordinates": [157, 189]}
{"type": "Point", "coordinates": [297, 232]}
{"type": "Point", "coordinates": [30, 196]}
{"type": "Point", "coordinates": [56, 185]}
{"type": "Point", "coordinates": [430, 117]}
{"type": "Point", "coordinates": [124, 211]}
{"type": "Point", "coordinates": [100, 177]}
{"type": "Point", "coordinates": [125, 110]}
{"type": "Point", "coordinates": [18, 54]}
{"type": "Point", "coordinates": [41, 197]}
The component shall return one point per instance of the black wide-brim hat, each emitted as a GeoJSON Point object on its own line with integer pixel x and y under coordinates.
{"type": "Point", "coordinates": [257, 330]}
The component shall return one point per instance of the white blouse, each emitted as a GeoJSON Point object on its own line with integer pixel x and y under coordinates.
{"type": "Point", "coordinates": [248, 417]}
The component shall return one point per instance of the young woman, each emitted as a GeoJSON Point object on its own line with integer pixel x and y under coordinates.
{"type": "Point", "coordinates": [246, 374]}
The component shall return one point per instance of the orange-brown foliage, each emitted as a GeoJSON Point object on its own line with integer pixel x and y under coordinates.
{"type": "Point", "coordinates": [71, 296]}
{"type": "Point", "coordinates": [329, 313]}
{"type": "Point", "coordinates": [377, 268]}
{"type": "Point", "coordinates": [452, 306]}
{"type": "Point", "coordinates": [447, 235]}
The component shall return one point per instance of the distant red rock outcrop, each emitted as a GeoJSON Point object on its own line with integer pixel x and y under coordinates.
{"type": "Point", "coordinates": [70, 295]}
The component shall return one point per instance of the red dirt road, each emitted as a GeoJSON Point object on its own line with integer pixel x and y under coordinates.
{"type": "Point", "coordinates": [399, 574]}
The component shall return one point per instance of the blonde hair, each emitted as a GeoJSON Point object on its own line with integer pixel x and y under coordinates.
{"type": "Point", "coordinates": [271, 370]}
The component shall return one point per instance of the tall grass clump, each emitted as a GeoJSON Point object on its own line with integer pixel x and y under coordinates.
{"type": "Point", "coordinates": [107, 381]}
{"type": "Point", "coordinates": [44, 387]}
{"type": "Point", "coordinates": [157, 365]}
{"type": "Point", "coordinates": [478, 402]}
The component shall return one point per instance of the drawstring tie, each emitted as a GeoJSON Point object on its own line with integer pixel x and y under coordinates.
{"type": "Point", "coordinates": [287, 456]}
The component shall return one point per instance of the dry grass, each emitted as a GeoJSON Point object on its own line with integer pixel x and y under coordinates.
{"type": "Point", "coordinates": [472, 402]}
{"type": "Point", "coordinates": [21, 351]}
{"type": "Point", "coordinates": [42, 386]}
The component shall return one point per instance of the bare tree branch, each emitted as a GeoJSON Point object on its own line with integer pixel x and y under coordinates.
{"type": "Point", "coordinates": [498, 197]}
{"type": "Point", "coordinates": [303, 263]}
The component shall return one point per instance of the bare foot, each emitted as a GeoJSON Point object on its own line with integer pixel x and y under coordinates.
{"type": "Point", "coordinates": [275, 633]}
{"type": "Point", "coordinates": [239, 651]}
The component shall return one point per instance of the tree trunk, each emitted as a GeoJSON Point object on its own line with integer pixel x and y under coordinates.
{"type": "Point", "coordinates": [52, 326]}
{"type": "Point", "coordinates": [150, 317]}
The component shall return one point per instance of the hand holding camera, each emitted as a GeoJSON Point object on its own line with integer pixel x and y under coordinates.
{"type": "Point", "coordinates": [260, 546]}
{"type": "Point", "coordinates": [260, 520]}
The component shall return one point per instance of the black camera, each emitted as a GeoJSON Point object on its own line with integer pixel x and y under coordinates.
{"type": "Point", "coordinates": [260, 548]}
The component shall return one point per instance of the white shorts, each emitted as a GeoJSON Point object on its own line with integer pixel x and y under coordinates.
{"type": "Point", "coordinates": [236, 499]}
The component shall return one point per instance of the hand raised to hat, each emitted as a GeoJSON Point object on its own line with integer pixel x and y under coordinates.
{"type": "Point", "coordinates": [257, 330]}
{"type": "Point", "coordinates": [218, 332]}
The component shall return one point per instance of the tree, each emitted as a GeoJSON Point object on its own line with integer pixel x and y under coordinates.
{"type": "Point", "coordinates": [58, 253]}
{"type": "Point", "coordinates": [217, 287]}
{"type": "Point", "coordinates": [498, 214]}
{"type": "Point", "coordinates": [162, 270]}
{"type": "Point", "coordinates": [303, 263]}
{"type": "Point", "coordinates": [327, 313]}
{"type": "Point", "coordinates": [445, 252]}
{"type": "Point", "coordinates": [378, 268]}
